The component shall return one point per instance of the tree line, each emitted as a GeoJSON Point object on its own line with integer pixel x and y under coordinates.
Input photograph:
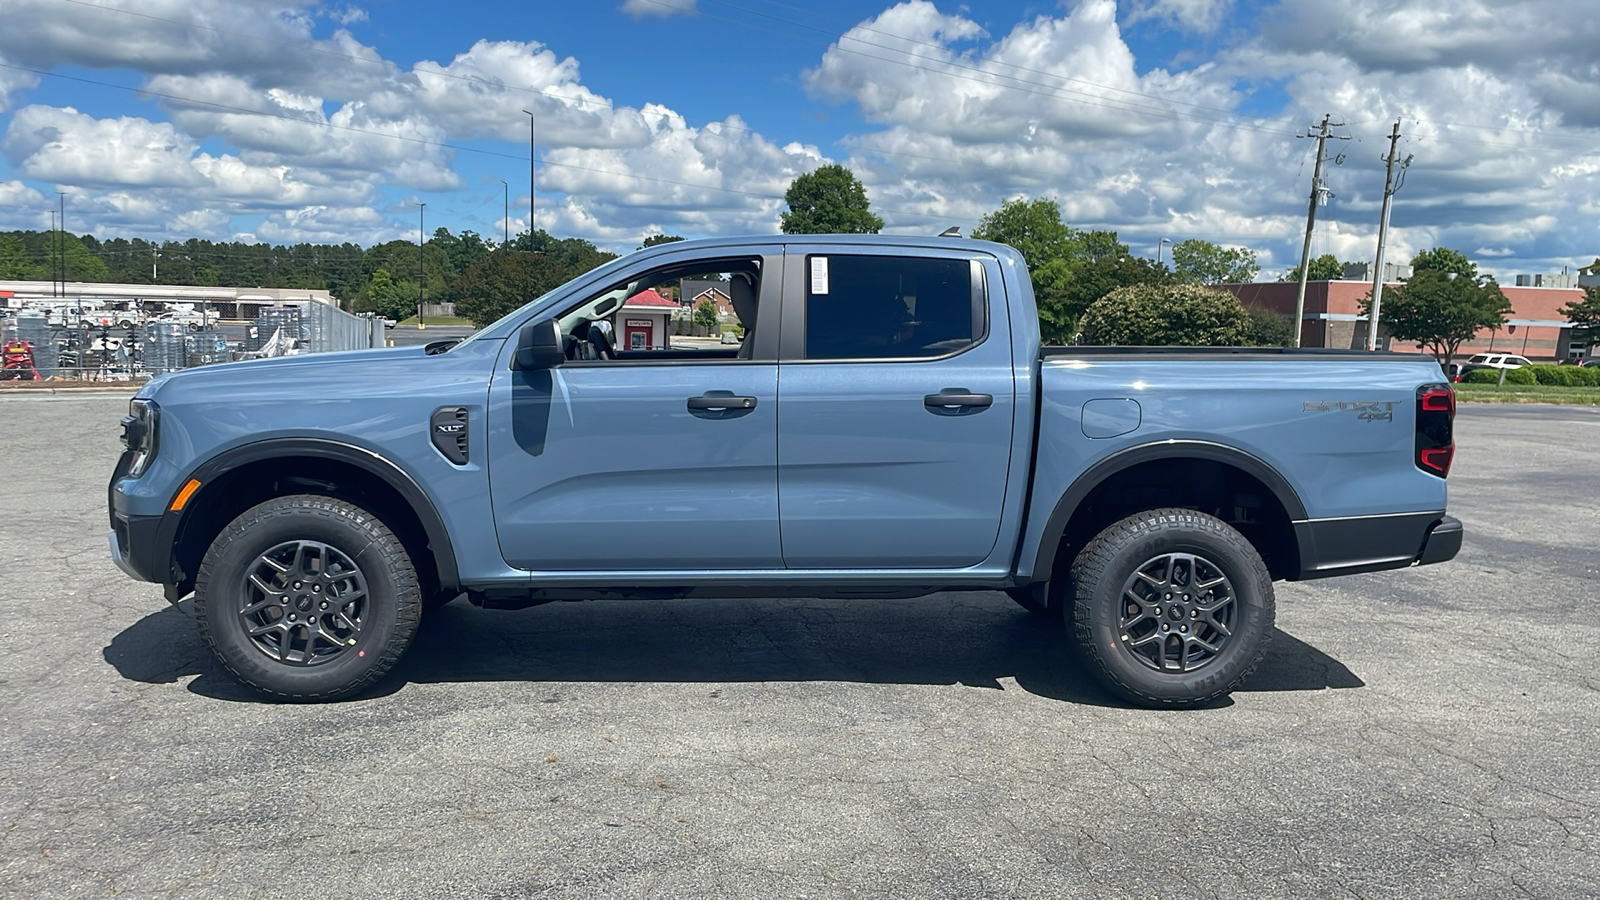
{"type": "Point", "coordinates": [1088, 285]}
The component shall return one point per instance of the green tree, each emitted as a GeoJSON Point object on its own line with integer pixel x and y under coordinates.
{"type": "Point", "coordinates": [655, 239]}
{"type": "Point", "coordinates": [1324, 268]}
{"type": "Point", "coordinates": [705, 314]}
{"type": "Point", "coordinates": [1443, 259]}
{"type": "Point", "coordinates": [1201, 262]}
{"type": "Point", "coordinates": [502, 282]}
{"type": "Point", "coordinates": [1268, 328]}
{"type": "Point", "coordinates": [81, 265]}
{"type": "Point", "coordinates": [460, 253]}
{"type": "Point", "coordinates": [1087, 282]}
{"type": "Point", "coordinates": [1585, 315]}
{"type": "Point", "coordinates": [1034, 229]}
{"type": "Point", "coordinates": [1053, 252]}
{"type": "Point", "coordinates": [829, 200]}
{"type": "Point", "coordinates": [1441, 309]}
{"type": "Point", "coordinates": [15, 262]}
{"type": "Point", "coordinates": [1102, 245]}
{"type": "Point", "coordinates": [387, 297]}
{"type": "Point", "coordinates": [1167, 315]}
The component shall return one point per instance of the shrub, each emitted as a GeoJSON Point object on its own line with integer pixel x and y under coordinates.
{"type": "Point", "coordinates": [1556, 375]}
{"type": "Point", "coordinates": [1481, 376]}
{"type": "Point", "coordinates": [1167, 315]}
{"type": "Point", "coordinates": [1587, 376]}
{"type": "Point", "coordinates": [1523, 375]}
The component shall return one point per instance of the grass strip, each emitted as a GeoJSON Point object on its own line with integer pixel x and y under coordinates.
{"type": "Point", "coordinates": [1527, 393]}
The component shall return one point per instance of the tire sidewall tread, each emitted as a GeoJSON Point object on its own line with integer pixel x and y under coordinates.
{"type": "Point", "coordinates": [1105, 562]}
{"type": "Point", "coordinates": [394, 595]}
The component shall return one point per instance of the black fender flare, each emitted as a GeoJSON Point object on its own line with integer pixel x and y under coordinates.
{"type": "Point", "coordinates": [439, 545]}
{"type": "Point", "coordinates": [1055, 527]}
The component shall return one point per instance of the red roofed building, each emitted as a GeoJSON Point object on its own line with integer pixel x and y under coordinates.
{"type": "Point", "coordinates": [641, 322]}
{"type": "Point", "coordinates": [1536, 327]}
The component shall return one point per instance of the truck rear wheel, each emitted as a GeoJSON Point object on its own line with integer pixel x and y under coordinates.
{"type": "Point", "coordinates": [1173, 608]}
{"type": "Point", "coordinates": [306, 597]}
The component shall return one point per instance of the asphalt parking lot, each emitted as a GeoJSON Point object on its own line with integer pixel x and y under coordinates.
{"type": "Point", "coordinates": [1422, 733]}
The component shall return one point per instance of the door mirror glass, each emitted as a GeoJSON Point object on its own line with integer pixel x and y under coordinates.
{"type": "Point", "coordinates": [539, 346]}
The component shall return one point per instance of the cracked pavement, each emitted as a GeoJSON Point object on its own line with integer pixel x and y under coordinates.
{"type": "Point", "coordinates": [1421, 733]}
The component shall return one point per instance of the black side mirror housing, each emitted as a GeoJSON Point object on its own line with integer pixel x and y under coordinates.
{"type": "Point", "coordinates": [539, 346]}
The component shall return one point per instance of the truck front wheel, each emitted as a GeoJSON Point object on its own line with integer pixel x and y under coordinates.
{"type": "Point", "coordinates": [1173, 608]}
{"type": "Point", "coordinates": [306, 597]}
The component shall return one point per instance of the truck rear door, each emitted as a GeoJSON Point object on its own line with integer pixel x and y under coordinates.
{"type": "Point", "coordinates": [895, 408]}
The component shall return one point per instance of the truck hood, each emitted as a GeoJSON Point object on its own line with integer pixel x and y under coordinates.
{"type": "Point", "coordinates": [283, 372]}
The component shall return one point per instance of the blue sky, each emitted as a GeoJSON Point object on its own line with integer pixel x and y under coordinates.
{"type": "Point", "coordinates": [285, 121]}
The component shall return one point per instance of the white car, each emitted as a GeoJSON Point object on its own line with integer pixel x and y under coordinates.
{"type": "Point", "coordinates": [1498, 361]}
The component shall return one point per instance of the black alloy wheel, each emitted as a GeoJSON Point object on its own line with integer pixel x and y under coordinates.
{"type": "Point", "coordinates": [1172, 608]}
{"type": "Point", "coordinates": [306, 597]}
{"type": "Point", "coordinates": [303, 603]}
{"type": "Point", "coordinates": [1178, 613]}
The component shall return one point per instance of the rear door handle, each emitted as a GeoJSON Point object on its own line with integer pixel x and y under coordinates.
{"type": "Point", "coordinates": [722, 402]}
{"type": "Point", "coordinates": [957, 398]}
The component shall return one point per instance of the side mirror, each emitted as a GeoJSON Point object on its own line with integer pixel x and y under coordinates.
{"type": "Point", "coordinates": [539, 346]}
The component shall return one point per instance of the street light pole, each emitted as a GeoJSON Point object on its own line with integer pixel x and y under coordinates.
{"type": "Point", "coordinates": [422, 238]}
{"type": "Point", "coordinates": [533, 177]}
{"type": "Point", "coordinates": [506, 222]}
{"type": "Point", "coordinates": [61, 242]}
{"type": "Point", "coordinates": [1159, 244]}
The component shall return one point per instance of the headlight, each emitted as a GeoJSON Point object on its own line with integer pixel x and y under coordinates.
{"type": "Point", "coordinates": [140, 429]}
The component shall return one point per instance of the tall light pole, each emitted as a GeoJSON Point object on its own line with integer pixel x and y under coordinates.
{"type": "Point", "coordinates": [506, 222]}
{"type": "Point", "coordinates": [533, 177]}
{"type": "Point", "coordinates": [1158, 248]}
{"type": "Point", "coordinates": [51, 253]}
{"type": "Point", "coordinates": [422, 238]}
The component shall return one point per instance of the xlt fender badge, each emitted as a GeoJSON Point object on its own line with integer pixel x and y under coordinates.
{"type": "Point", "coordinates": [448, 429]}
{"type": "Point", "coordinates": [1369, 410]}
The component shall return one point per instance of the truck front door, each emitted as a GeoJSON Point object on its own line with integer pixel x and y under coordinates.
{"type": "Point", "coordinates": [641, 460]}
{"type": "Point", "coordinates": [895, 407]}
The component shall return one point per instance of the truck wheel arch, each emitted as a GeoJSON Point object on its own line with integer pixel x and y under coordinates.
{"type": "Point", "coordinates": [1174, 451]}
{"type": "Point", "coordinates": [400, 497]}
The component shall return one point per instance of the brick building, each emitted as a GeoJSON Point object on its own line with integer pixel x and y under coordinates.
{"type": "Point", "coordinates": [1536, 327]}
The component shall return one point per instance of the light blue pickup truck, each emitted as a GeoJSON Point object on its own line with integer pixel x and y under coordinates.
{"type": "Point", "coordinates": [889, 427]}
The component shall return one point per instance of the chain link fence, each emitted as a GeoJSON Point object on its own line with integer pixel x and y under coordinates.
{"type": "Point", "coordinates": [114, 353]}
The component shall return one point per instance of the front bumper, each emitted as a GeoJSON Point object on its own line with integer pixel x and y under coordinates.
{"type": "Point", "coordinates": [135, 547]}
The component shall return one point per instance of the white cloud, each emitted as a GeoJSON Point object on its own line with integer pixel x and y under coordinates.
{"type": "Point", "coordinates": [22, 207]}
{"type": "Point", "coordinates": [641, 9]}
{"type": "Point", "coordinates": [12, 83]}
{"type": "Point", "coordinates": [69, 147]}
{"type": "Point", "coordinates": [1199, 16]}
{"type": "Point", "coordinates": [329, 225]}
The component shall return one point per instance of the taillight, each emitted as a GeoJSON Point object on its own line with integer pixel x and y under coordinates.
{"type": "Point", "coordinates": [1436, 413]}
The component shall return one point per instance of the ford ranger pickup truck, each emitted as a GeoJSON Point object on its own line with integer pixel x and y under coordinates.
{"type": "Point", "coordinates": [889, 426]}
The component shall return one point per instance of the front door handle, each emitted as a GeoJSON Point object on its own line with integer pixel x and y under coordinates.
{"type": "Point", "coordinates": [957, 398]}
{"type": "Point", "coordinates": [721, 401]}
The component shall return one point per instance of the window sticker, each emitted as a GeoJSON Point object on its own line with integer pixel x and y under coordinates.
{"type": "Point", "coordinates": [819, 274]}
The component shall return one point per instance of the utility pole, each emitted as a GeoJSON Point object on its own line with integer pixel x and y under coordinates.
{"type": "Point", "coordinates": [533, 178]}
{"type": "Point", "coordinates": [422, 239]}
{"type": "Point", "coordinates": [1322, 136]}
{"type": "Point", "coordinates": [1389, 187]}
{"type": "Point", "coordinates": [51, 252]}
{"type": "Point", "coordinates": [506, 222]}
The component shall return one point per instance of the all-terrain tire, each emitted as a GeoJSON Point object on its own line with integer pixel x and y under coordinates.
{"type": "Point", "coordinates": [1172, 608]}
{"type": "Point", "coordinates": [307, 598]}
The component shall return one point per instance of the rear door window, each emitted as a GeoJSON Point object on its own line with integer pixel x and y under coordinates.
{"type": "Point", "coordinates": [891, 307]}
